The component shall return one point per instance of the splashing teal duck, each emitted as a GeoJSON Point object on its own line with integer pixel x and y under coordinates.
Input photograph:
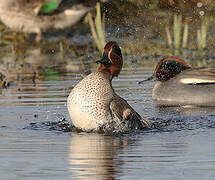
{"type": "Point", "coordinates": [93, 104]}
{"type": "Point", "coordinates": [179, 84]}
{"type": "Point", "coordinates": [36, 16]}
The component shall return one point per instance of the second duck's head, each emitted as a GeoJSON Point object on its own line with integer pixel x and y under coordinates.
{"type": "Point", "coordinates": [168, 68]}
{"type": "Point", "coordinates": [111, 61]}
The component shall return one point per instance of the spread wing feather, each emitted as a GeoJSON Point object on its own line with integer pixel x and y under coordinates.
{"type": "Point", "coordinates": [123, 112]}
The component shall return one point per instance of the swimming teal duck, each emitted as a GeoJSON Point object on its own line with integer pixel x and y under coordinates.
{"type": "Point", "coordinates": [93, 104]}
{"type": "Point", "coordinates": [36, 16]}
{"type": "Point", "coordinates": [179, 84]}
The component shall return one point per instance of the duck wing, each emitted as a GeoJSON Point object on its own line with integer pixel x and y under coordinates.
{"type": "Point", "coordinates": [51, 7]}
{"type": "Point", "coordinates": [77, 4]}
{"type": "Point", "coordinates": [124, 113]}
{"type": "Point", "coordinates": [198, 76]}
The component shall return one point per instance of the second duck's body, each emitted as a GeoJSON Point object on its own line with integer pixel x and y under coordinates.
{"type": "Point", "coordinates": [178, 84]}
{"type": "Point", "coordinates": [188, 88]}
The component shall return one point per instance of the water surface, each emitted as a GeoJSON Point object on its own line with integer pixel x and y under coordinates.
{"type": "Point", "coordinates": [31, 148]}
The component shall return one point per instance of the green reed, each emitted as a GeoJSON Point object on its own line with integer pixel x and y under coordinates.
{"type": "Point", "coordinates": [180, 40]}
{"type": "Point", "coordinates": [202, 36]}
{"type": "Point", "coordinates": [185, 35]}
{"type": "Point", "coordinates": [97, 28]}
{"type": "Point", "coordinates": [177, 31]}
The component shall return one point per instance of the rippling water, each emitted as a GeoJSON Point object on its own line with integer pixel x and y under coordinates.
{"type": "Point", "coordinates": [30, 148]}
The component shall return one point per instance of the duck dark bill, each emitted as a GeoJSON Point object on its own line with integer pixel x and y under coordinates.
{"type": "Point", "coordinates": [105, 60]}
{"type": "Point", "coordinates": [148, 79]}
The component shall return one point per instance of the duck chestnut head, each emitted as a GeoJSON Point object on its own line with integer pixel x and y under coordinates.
{"type": "Point", "coordinates": [111, 61]}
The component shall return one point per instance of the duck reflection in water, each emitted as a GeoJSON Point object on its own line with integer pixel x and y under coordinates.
{"type": "Point", "coordinates": [92, 156]}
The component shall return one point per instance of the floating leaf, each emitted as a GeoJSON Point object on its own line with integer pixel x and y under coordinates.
{"type": "Point", "coordinates": [49, 7]}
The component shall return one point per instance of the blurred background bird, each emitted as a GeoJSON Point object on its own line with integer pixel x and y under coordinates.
{"type": "Point", "coordinates": [37, 16]}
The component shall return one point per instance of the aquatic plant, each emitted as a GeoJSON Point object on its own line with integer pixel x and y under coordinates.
{"type": "Point", "coordinates": [61, 50]}
{"type": "Point", "coordinates": [97, 28]}
{"type": "Point", "coordinates": [180, 40]}
{"type": "Point", "coordinates": [169, 37]}
{"type": "Point", "coordinates": [185, 35]}
{"type": "Point", "coordinates": [177, 31]}
{"type": "Point", "coordinates": [202, 35]}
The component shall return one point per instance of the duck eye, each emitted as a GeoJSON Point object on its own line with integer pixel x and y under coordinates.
{"type": "Point", "coordinates": [116, 50]}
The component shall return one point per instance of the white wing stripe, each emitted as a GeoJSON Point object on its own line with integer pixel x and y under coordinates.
{"type": "Point", "coordinates": [196, 81]}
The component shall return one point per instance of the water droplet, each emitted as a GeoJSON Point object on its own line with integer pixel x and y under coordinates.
{"type": "Point", "coordinates": [199, 4]}
{"type": "Point", "coordinates": [202, 13]}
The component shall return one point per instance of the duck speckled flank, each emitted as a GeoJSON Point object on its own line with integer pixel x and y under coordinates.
{"type": "Point", "coordinates": [180, 85]}
{"type": "Point", "coordinates": [93, 105]}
